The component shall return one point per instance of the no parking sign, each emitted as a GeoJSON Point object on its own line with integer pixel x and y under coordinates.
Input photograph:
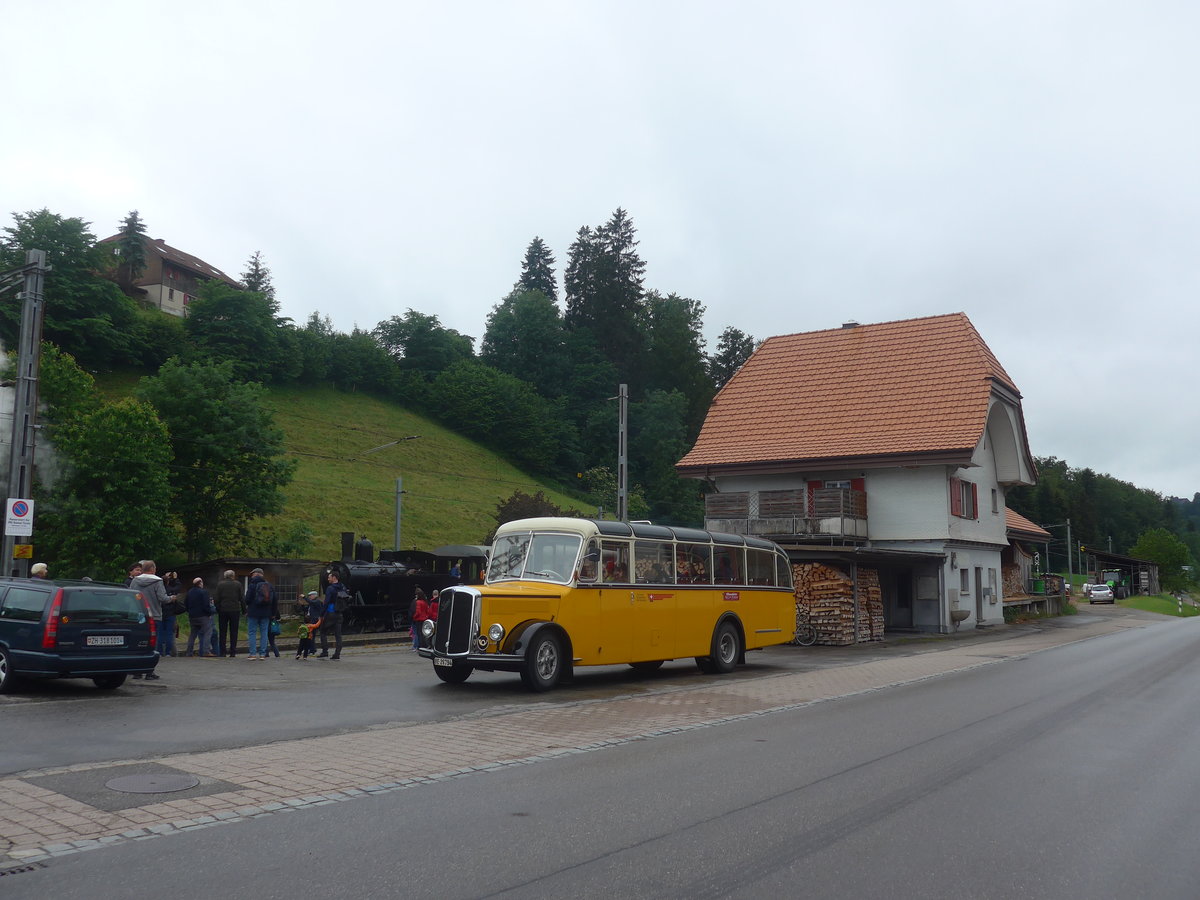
{"type": "Point", "coordinates": [18, 522]}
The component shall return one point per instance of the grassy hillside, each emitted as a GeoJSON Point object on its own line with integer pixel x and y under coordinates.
{"type": "Point", "coordinates": [451, 485]}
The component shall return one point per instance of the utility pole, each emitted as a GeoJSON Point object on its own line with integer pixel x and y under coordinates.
{"type": "Point", "coordinates": [622, 455]}
{"type": "Point", "coordinates": [24, 420]}
{"type": "Point", "coordinates": [399, 493]}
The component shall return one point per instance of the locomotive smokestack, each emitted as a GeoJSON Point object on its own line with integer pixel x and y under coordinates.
{"type": "Point", "coordinates": [347, 546]}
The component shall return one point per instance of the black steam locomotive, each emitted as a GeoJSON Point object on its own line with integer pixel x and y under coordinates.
{"type": "Point", "coordinates": [382, 589]}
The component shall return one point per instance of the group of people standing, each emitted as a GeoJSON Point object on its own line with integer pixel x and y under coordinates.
{"type": "Point", "coordinates": [215, 617]}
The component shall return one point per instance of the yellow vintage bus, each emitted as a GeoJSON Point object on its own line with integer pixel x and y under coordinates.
{"type": "Point", "coordinates": [562, 592]}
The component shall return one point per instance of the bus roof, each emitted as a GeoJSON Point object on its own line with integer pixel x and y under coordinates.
{"type": "Point", "coordinates": [603, 527]}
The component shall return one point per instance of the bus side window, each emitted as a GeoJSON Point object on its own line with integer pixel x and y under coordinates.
{"type": "Point", "coordinates": [760, 567]}
{"type": "Point", "coordinates": [694, 564]}
{"type": "Point", "coordinates": [653, 563]}
{"type": "Point", "coordinates": [729, 565]}
{"type": "Point", "coordinates": [616, 562]}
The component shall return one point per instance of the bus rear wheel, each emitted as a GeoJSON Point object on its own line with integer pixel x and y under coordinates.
{"type": "Point", "coordinates": [455, 674]}
{"type": "Point", "coordinates": [543, 664]}
{"type": "Point", "coordinates": [726, 648]}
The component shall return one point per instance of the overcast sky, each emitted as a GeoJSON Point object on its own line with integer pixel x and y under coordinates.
{"type": "Point", "coordinates": [789, 165]}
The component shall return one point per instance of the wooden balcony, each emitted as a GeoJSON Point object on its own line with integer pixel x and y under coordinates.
{"type": "Point", "coordinates": [828, 515]}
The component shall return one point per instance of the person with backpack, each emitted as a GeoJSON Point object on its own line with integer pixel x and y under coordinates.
{"type": "Point", "coordinates": [259, 594]}
{"type": "Point", "coordinates": [336, 598]}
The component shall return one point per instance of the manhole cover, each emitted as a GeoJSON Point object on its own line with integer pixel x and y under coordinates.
{"type": "Point", "coordinates": [152, 784]}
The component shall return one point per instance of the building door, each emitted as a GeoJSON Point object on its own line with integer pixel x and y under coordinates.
{"type": "Point", "coordinates": [900, 599]}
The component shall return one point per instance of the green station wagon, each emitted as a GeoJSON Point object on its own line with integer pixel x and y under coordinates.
{"type": "Point", "coordinates": [52, 629]}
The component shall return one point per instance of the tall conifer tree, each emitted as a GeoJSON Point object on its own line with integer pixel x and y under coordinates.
{"type": "Point", "coordinates": [537, 271]}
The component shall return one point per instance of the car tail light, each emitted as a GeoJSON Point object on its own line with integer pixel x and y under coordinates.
{"type": "Point", "coordinates": [50, 635]}
{"type": "Point", "coordinates": [150, 619]}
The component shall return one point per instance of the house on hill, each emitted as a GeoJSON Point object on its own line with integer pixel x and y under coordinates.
{"type": "Point", "coordinates": [171, 277]}
{"type": "Point", "coordinates": [878, 457]}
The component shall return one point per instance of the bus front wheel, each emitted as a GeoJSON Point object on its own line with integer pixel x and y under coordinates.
{"type": "Point", "coordinates": [544, 663]}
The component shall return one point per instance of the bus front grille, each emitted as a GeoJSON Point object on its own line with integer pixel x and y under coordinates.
{"type": "Point", "coordinates": [456, 628]}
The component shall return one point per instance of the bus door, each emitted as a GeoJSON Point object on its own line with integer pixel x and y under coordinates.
{"type": "Point", "coordinates": [656, 600]}
{"type": "Point", "coordinates": [614, 623]}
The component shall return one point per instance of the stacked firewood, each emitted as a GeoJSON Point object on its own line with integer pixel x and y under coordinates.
{"type": "Point", "coordinates": [825, 597]}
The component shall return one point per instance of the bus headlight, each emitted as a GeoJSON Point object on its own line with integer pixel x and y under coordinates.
{"type": "Point", "coordinates": [496, 633]}
{"type": "Point", "coordinates": [427, 628]}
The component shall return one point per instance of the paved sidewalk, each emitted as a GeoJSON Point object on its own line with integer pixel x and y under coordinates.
{"type": "Point", "coordinates": [52, 812]}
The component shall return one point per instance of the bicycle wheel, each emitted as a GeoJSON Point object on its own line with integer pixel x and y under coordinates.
{"type": "Point", "coordinates": [806, 636]}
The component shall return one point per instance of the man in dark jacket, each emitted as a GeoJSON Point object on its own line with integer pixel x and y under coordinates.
{"type": "Point", "coordinates": [331, 620]}
{"type": "Point", "coordinates": [199, 609]}
{"type": "Point", "coordinates": [230, 607]}
{"type": "Point", "coordinates": [259, 594]}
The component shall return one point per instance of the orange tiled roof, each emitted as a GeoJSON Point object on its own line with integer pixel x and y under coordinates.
{"type": "Point", "coordinates": [1015, 522]}
{"type": "Point", "coordinates": [908, 388]}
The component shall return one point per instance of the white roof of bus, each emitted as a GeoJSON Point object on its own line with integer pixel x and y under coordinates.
{"type": "Point", "coordinates": [584, 527]}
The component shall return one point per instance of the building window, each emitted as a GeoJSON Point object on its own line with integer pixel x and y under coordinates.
{"type": "Point", "coordinates": [992, 595]}
{"type": "Point", "coordinates": [840, 485]}
{"type": "Point", "coordinates": [995, 500]}
{"type": "Point", "coordinates": [170, 293]}
{"type": "Point", "coordinates": [964, 581]}
{"type": "Point", "coordinates": [964, 499]}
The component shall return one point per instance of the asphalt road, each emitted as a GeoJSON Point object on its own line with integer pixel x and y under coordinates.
{"type": "Point", "coordinates": [1065, 773]}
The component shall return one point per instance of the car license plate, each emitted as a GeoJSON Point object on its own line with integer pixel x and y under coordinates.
{"type": "Point", "coordinates": [442, 661]}
{"type": "Point", "coordinates": [105, 640]}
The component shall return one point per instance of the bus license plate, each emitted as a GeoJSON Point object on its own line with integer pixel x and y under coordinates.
{"type": "Point", "coordinates": [105, 640]}
{"type": "Point", "coordinates": [442, 661]}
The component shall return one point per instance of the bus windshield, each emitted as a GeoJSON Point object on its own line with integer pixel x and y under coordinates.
{"type": "Point", "coordinates": [535, 557]}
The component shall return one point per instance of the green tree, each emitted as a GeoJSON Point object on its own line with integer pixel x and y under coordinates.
{"type": "Point", "coordinates": [734, 347]}
{"type": "Point", "coordinates": [131, 247]}
{"type": "Point", "coordinates": [537, 271]}
{"type": "Point", "coordinates": [1170, 553]}
{"type": "Point", "coordinates": [229, 463]}
{"type": "Point", "coordinates": [110, 502]}
{"type": "Point", "coordinates": [68, 393]}
{"type": "Point", "coordinates": [420, 343]}
{"type": "Point", "coordinates": [601, 483]}
{"type": "Point", "coordinates": [86, 315]}
{"type": "Point", "coordinates": [604, 290]}
{"type": "Point", "coordinates": [504, 413]}
{"type": "Point", "coordinates": [257, 278]}
{"type": "Point", "coordinates": [675, 359]}
{"type": "Point", "coordinates": [658, 439]}
{"type": "Point", "coordinates": [226, 324]}
{"type": "Point", "coordinates": [524, 337]}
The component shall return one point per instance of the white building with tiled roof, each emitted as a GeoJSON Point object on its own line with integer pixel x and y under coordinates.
{"type": "Point", "coordinates": [171, 277]}
{"type": "Point", "coordinates": [890, 445]}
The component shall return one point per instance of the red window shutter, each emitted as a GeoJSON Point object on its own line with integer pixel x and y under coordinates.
{"type": "Point", "coordinates": [812, 486]}
{"type": "Point", "coordinates": [955, 496]}
{"type": "Point", "coordinates": [974, 500]}
{"type": "Point", "coordinates": [858, 484]}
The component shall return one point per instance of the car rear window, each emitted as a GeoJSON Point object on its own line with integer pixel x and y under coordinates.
{"type": "Point", "coordinates": [23, 604]}
{"type": "Point", "coordinates": [95, 607]}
